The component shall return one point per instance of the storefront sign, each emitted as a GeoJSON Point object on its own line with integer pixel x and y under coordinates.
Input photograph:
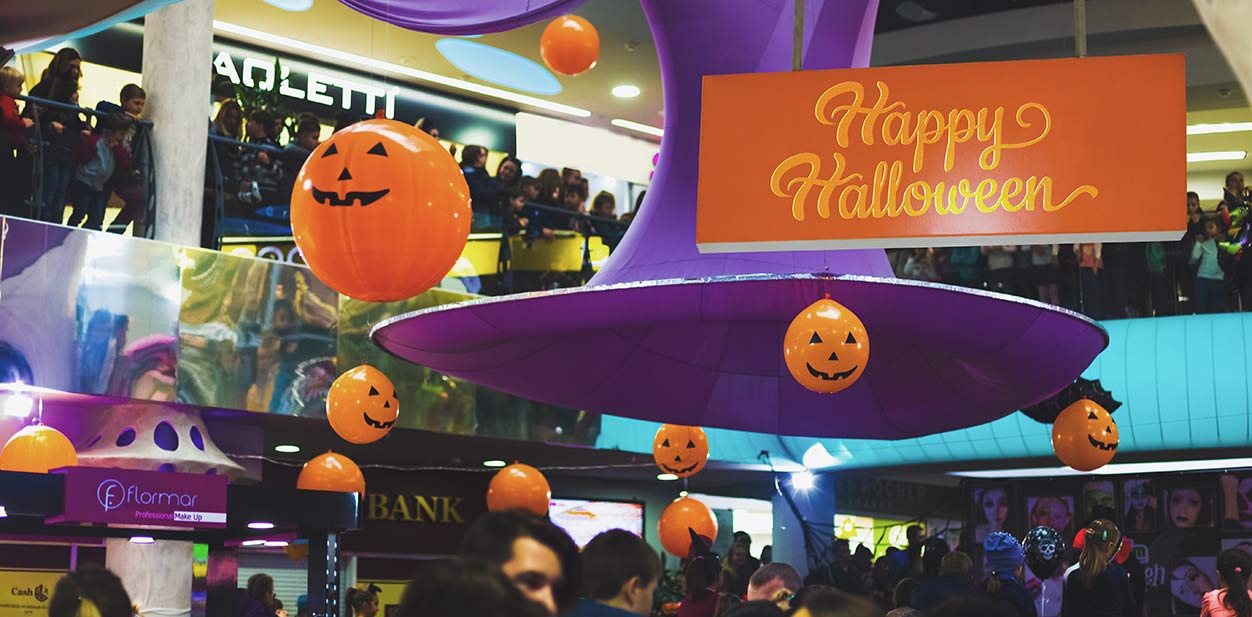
{"type": "Point", "coordinates": [127, 497]}
{"type": "Point", "coordinates": [320, 88]}
{"type": "Point", "coordinates": [25, 593]}
{"type": "Point", "coordinates": [1027, 152]}
{"type": "Point", "coordinates": [875, 497]}
{"type": "Point", "coordinates": [425, 513]}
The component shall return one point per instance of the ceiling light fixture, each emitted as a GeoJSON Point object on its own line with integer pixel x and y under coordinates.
{"type": "Point", "coordinates": [260, 525]}
{"type": "Point", "coordinates": [1226, 155]}
{"type": "Point", "coordinates": [1219, 127]}
{"type": "Point", "coordinates": [3, 513]}
{"type": "Point", "coordinates": [495, 462]}
{"type": "Point", "coordinates": [252, 543]}
{"type": "Point", "coordinates": [802, 480]}
{"type": "Point", "coordinates": [625, 91]}
{"type": "Point", "coordinates": [360, 62]}
{"type": "Point", "coordinates": [142, 540]}
{"type": "Point", "coordinates": [666, 477]}
{"type": "Point", "coordinates": [278, 543]}
{"type": "Point", "coordinates": [287, 448]}
{"type": "Point", "coordinates": [635, 126]}
{"type": "Point", "coordinates": [17, 405]}
{"type": "Point", "coordinates": [1110, 469]}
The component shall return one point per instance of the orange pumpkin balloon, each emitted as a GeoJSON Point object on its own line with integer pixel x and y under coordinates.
{"type": "Point", "coordinates": [36, 449]}
{"type": "Point", "coordinates": [826, 347]}
{"type": "Point", "coordinates": [677, 518]}
{"type": "Point", "coordinates": [680, 450]}
{"type": "Point", "coordinates": [380, 211]}
{"type": "Point", "coordinates": [1084, 436]}
{"type": "Point", "coordinates": [331, 472]}
{"type": "Point", "coordinates": [362, 405]}
{"type": "Point", "coordinates": [520, 487]}
{"type": "Point", "coordinates": [570, 45]}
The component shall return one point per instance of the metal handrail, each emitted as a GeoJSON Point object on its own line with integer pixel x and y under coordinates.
{"type": "Point", "coordinates": [42, 102]}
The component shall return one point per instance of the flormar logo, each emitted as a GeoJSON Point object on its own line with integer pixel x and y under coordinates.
{"type": "Point", "coordinates": [112, 494]}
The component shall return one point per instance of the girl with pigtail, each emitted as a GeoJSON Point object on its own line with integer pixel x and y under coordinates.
{"type": "Point", "coordinates": [1098, 587]}
{"type": "Point", "coordinates": [1233, 599]}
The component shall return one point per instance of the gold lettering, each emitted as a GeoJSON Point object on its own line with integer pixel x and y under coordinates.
{"type": "Point", "coordinates": [377, 506]}
{"type": "Point", "coordinates": [450, 505]}
{"type": "Point", "coordinates": [429, 507]}
{"type": "Point", "coordinates": [400, 510]}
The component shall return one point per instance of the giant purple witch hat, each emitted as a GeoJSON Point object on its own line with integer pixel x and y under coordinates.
{"type": "Point", "coordinates": [666, 333]}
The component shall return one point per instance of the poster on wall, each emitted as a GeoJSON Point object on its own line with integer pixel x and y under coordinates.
{"type": "Point", "coordinates": [25, 593]}
{"type": "Point", "coordinates": [1237, 501]}
{"type": "Point", "coordinates": [1055, 511]}
{"type": "Point", "coordinates": [1099, 500]}
{"type": "Point", "coordinates": [1188, 506]}
{"type": "Point", "coordinates": [1139, 506]}
{"type": "Point", "coordinates": [990, 511]}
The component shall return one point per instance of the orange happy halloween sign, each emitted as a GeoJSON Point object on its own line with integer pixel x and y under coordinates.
{"type": "Point", "coordinates": [1028, 152]}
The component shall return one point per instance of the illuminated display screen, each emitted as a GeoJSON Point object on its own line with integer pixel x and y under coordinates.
{"type": "Point", "coordinates": [584, 520]}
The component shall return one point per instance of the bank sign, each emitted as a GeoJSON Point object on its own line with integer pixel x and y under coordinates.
{"type": "Point", "coordinates": [127, 497]}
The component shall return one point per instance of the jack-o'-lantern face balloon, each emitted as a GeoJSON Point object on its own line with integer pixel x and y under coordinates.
{"type": "Point", "coordinates": [362, 405]}
{"type": "Point", "coordinates": [1084, 436]}
{"type": "Point", "coordinates": [826, 347]}
{"type": "Point", "coordinates": [380, 211]}
{"type": "Point", "coordinates": [680, 450]}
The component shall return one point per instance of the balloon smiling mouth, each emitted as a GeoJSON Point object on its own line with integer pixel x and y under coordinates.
{"type": "Point", "coordinates": [1100, 444]}
{"type": "Point", "coordinates": [375, 423]}
{"type": "Point", "coordinates": [331, 198]}
{"type": "Point", "coordinates": [679, 471]}
{"type": "Point", "coordinates": [830, 376]}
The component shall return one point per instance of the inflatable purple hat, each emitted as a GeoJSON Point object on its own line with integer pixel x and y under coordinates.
{"type": "Point", "coordinates": [666, 333]}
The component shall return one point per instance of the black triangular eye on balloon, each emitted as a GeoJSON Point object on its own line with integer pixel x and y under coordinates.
{"type": "Point", "coordinates": [691, 444]}
{"type": "Point", "coordinates": [851, 340]}
{"type": "Point", "coordinates": [386, 404]}
{"type": "Point", "coordinates": [378, 149]}
{"type": "Point", "coordinates": [1091, 415]}
{"type": "Point", "coordinates": [331, 150]}
{"type": "Point", "coordinates": [665, 444]}
{"type": "Point", "coordinates": [373, 391]}
{"type": "Point", "coordinates": [815, 340]}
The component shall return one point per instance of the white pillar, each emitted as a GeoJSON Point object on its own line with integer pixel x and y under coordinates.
{"type": "Point", "coordinates": [177, 60]}
{"type": "Point", "coordinates": [156, 576]}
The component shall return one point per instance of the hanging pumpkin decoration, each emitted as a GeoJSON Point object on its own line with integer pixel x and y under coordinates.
{"type": "Point", "coordinates": [1084, 436]}
{"type": "Point", "coordinates": [680, 450]}
{"type": "Point", "coordinates": [679, 520]}
{"type": "Point", "coordinates": [362, 405]}
{"type": "Point", "coordinates": [570, 45]}
{"type": "Point", "coordinates": [331, 472]}
{"type": "Point", "coordinates": [380, 211]}
{"type": "Point", "coordinates": [520, 487]}
{"type": "Point", "coordinates": [826, 347]}
{"type": "Point", "coordinates": [36, 449]}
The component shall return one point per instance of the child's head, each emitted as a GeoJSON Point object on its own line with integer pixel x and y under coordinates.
{"type": "Point", "coordinates": [516, 199]}
{"type": "Point", "coordinates": [604, 204]}
{"type": "Point", "coordinates": [11, 80]}
{"type": "Point", "coordinates": [1210, 227]}
{"type": "Point", "coordinates": [114, 127]}
{"type": "Point", "coordinates": [530, 188]}
{"type": "Point", "coordinates": [133, 98]}
{"type": "Point", "coordinates": [260, 123]}
{"type": "Point", "coordinates": [308, 131]}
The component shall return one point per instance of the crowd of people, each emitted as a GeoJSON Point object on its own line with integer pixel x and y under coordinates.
{"type": "Point", "coordinates": [516, 564]}
{"type": "Point", "coordinates": [52, 156]}
{"type": "Point", "coordinates": [1202, 272]}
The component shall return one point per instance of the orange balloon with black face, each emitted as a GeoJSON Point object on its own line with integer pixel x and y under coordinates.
{"type": "Point", "coordinates": [826, 347]}
{"type": "Point", "coordinates": [380, 211]}
{"type": "Point", "coordinates": [362, 405]}
{"type": "Point", "coordinates": [680, 450]}
{"type": "Point", "coordinates": [1084, 436]}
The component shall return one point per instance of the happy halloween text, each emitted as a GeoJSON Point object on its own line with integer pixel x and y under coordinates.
{"type": "Point", "coordinates": [886, 194]}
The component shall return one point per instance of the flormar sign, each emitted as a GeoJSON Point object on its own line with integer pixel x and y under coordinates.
{"type": "Point", "coordinates": [1026, 152]}
{"type": "Point", "coordinates": [128, 497]}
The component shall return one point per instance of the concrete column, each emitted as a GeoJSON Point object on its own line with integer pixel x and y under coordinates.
{"type": "Point", "coordinates": [177, 60]}
{"type": "Point", "coordinates": [816, 507]}
{"type": "Point", "coordinates": [157, 576]}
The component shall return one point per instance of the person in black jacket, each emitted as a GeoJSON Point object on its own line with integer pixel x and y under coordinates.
{"type": "Point", "coordinates": [484, 190]}
{"type": "Point", "coordinates": [1096, 587]}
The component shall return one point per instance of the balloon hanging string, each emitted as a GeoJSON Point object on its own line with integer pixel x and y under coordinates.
{"type": "Point", "coordinates": [797, 37]}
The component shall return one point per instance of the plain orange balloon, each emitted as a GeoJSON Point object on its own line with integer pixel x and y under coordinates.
{"type": "Point", "coordinates": [380, 211]}
{"type": "Point", "coordinates": [520, 487]}
{"type": "Point", "coordinates": [677, 518]}
{"type": "Point", "coordinates": [826, 347]}
{"type": "Point", "coordinates": [570, 45]}
{"type": "Point", "coordinates": [36, 449]}
{"type": "Point", "coordinates": [1085, 436]}
{"type": "Point", "coordinates": [331, 472]}
{"type": "Point", "coordinates": [680, 450]}
{"type": "Point", "coordinates": [362, 405]}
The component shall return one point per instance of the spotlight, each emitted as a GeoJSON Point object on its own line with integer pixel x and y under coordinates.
{"type": "Point", "coordinates": [287, 449]}
{"type": "Point", "coordinates": [495, 462]}
{"type": "Point", "coordinates": [260, 525]}
{"type": "Point", "coordinates": [802, 480]}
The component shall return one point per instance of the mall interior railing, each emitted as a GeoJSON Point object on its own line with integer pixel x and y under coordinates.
{"type": "Point", "coordinates": [34, 203]}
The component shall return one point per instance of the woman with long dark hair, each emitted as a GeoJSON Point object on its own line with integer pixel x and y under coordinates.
{"type": "Point", "coordinates": [704, 580]}
{"type": "Point", "coordinates": [67, 64]}
{"type": "Point", "coordinates": [1099, 588]}
{"type": "Point", "coordinates": [1234, 566]}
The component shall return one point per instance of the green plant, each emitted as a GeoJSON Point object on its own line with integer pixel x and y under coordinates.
{"type": "Point", "coordinates": [269, 99]}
